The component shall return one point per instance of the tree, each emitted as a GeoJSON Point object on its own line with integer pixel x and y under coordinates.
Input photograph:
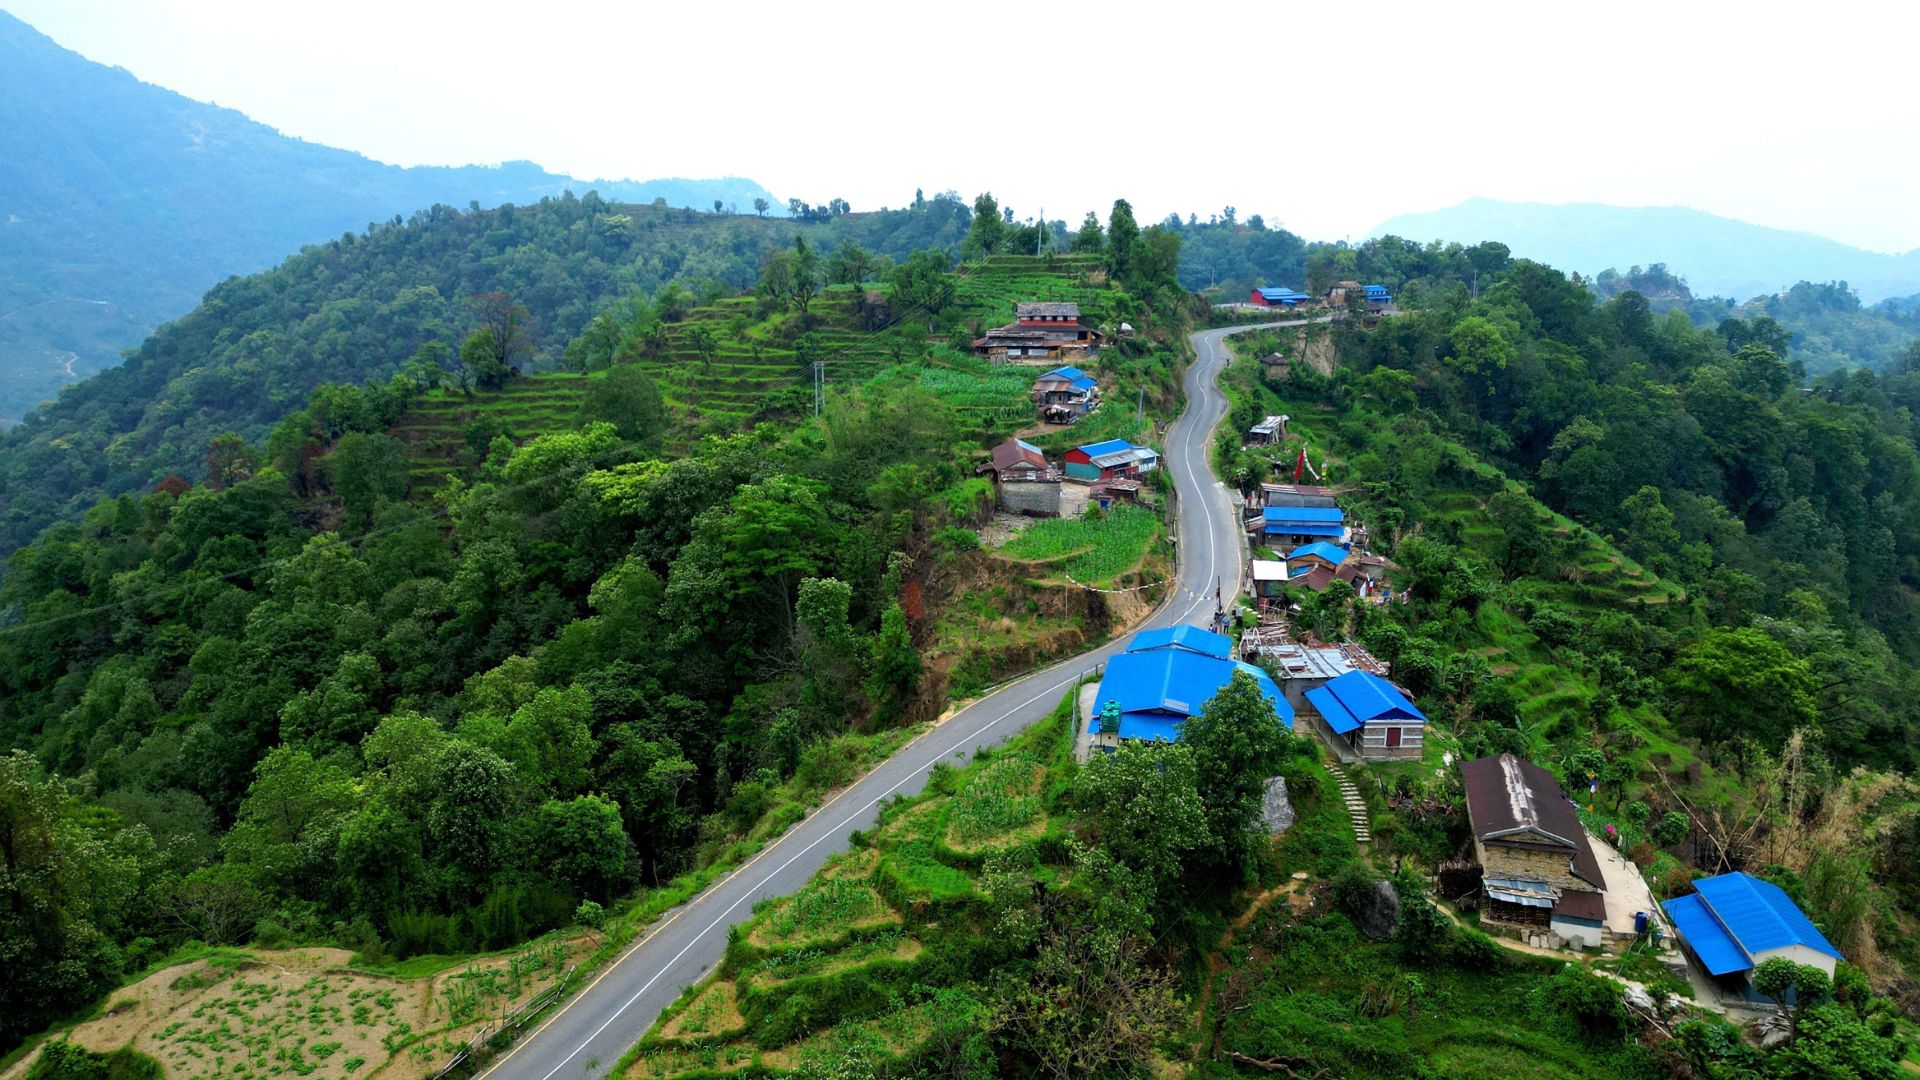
{"type": "Point", "coordinates": [850, 264]}
{"type": "Point", "coordinates": [701, 339]}
{"type": "Point", "coordinates": [984, 235]}
{"type": "Point", "coordinates": [480, 365]}
{"type": "Point", "coordinates": [366, 470]}
{"type": "Point", "coordinates": [804, 281]}
{"type": "Point", "coordinates": [1150, 812]}
{"type": "Point", "coordinates": [719, 206]}
{"type": "Point", "coordinates": [1524, 541]}
{"type": "Point", "coordinates": [1740, 680]}
{"type": "Point", "coordinates": [503, 330]}
{"type": "Point", "coordinates": [1237, 744]}
{"type": "Point", "coordinates": [581, 843]}
{"type": "Point", "coordinates": [629, 400]}
{"type": "Point", "coordinates": [1091, 238]}
{"type": "Point", "coordinates": [761, 206]}
{"type": "Point", "coordinates": [597, 346]}
{"type": "Point", "coordinates": [1831, 1044]}
{"type": "Point", "coordinates": [1792, 986]}
{"type": "Point", "coordinates": [895, 667]}
{"type": "Point", "coordinates": [923, 282]}
{"type": "Point", "coordinates": [1122, 232]}
{"type": "Point", "coordinates": [229, 461]}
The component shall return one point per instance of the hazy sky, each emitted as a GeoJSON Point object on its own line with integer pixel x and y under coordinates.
{"type": "Point", "coordinates": [1324, 117]}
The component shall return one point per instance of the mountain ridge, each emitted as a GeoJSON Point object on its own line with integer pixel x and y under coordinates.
{"type": "Point", "coordinates": [117, 190]}
{"type": "Point", "coordinates": [1717, 255]}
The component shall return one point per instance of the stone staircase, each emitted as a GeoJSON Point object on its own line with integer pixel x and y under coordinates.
{"type": "Point", "coordinates": [1356, 806]}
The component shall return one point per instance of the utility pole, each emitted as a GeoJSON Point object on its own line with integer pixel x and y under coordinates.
{"type": "Point", "coordinates": [1140, 409]}
{"type": "Point", "coordinates": [1040, 234]}
{"type": "Point", "coordinates": [819, 385]}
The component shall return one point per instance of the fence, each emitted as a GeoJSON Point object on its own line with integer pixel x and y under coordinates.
{"type": "Point", "coordinates": [512, 1022]}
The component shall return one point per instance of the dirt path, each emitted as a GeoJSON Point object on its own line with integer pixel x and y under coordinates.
{"type": "Point", "coordinates": [1217, 960]}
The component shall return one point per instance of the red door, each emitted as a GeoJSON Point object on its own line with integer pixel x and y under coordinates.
{"type": "Point", "coordinates": [1393, 738]}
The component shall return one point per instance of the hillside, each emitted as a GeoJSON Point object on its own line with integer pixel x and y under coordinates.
{"type": "Point", "coordinates": [1717, 256]}
{"type": "Point", "coordinates": [123, 202]}
{"type": "Point", "coordinates": [357, 308]}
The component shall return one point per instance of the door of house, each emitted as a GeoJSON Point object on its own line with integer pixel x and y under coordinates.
{"type": "Point", "coordinates": [1393, 738]}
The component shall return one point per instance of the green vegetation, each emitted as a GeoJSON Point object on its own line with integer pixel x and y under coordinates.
{"type": "Point", "coordinates": [1091, 550]}
{"type": "Point", "coordinates": [459, 655]}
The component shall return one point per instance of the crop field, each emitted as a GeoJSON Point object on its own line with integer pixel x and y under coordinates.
{"type": "Point", "coordinates": [1002, 800]}
{"type": "Point", "coordinates": [1090, 550]}
{"type": "Point", "coordinates": [839, 994]}
{"type": "Point", "coordinates": [234, 1016]}
{"type": "Point", "coordinates": [826, 908]}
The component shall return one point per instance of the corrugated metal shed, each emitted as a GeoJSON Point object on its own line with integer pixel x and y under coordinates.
{"type": "Point", "coordinates": [1711, 944]}
{"type": "Point", "coordinates": [1159, 688]}
{"type": "Point", "coordinates": [1760, 915]}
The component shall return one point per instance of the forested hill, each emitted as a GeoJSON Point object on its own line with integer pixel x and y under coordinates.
{"type": "Point", "coordinates": [1718, 256]}
{"type": "Point", "coordinates": [123, 202]}
{"type": "Point", "coordinates": [359, 307]}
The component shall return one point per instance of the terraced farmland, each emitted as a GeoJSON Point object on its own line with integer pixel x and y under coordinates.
{"type": "Point", "coordinates": [435, 430]}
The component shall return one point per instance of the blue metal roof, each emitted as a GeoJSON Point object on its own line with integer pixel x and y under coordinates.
{"type": "Point", "coordinates": [1029, 447]}
{"type": "Point", "coordinates": [1336, 714]}
{"type": "Point", "coordinates": [1353, 700]}
{"type": "Point", "coordinates": [1083, 382]}
{"type": "Point", "coordinates": [1281, 292]}
{"type": "Point", "coordinates": [1759, 914]}
{"type": "Point", "coordinates": [1111, 446]}
{"type": "Point", "coordinates": [1191, 638]}
{"type": "Point", "coordinates": [1158, 689]}
{"type": "Point", "coordinates": [1063, 373]}
{"type": "Point", "coordinates": [1284, 529]}
{"type": "Point", "coordinates": [1716, 951]}
{"type": "Point", "coordinates": [1376, 290]}
{"type": "Point", "coordinates": [1305, 515]}
{"type": "Point", "coordinates": [1333, 553]}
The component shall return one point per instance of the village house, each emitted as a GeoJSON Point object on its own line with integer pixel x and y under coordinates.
{"type": "Point", "coordinates": [1040, 332]}
{"type": "Point", "coordinates": [1733, 923]}
{"type": "Point", "coordinates": [1108, 492]}
{"type": "Point", "coordinates": [1370, 715]}
{"type": "Point", "coordinates": [1537, 862]}
{"type": "Point", "coordinates": [1367, 574]}
{"type": "Point", "coordinates": [1065, 394]}
{"type": "Point", "coordinates": [1376, 296]}
{"type": "Point", "coordinates": [1268, 431]}
{"type": "Point", "coordinates": [1277, 296]}
{"type": "Point", "coordinates": [1302, 666]}
{"type": "Point", "coordinates": [1319, 553]}
{"type": "Point", "coordinates": [1165, 676]}
{"type": "Point", "coordinates": [1023, 481]}
{"type": "Point", "coordinates": [1269, 576]}
{"type": "Point", "coordinates": [1115, 459]}
{"type": "Point", "coordinates": [1296, 495]}
{"type": "Point", "coordinates": [1291, 526]}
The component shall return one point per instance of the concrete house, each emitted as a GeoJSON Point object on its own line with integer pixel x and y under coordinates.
{"type": "Point", "coordinates": [1733, 923]}
{"type": "Point", "coordinates": [1269, 430]}
{"type": "Point", "coordinates": [1277, 296]}
{"type": "Point", "coordinates": [1297, 495]}
{"type": "Point", "coordinates": [1023, 481]}
{"type": "Point", "coordinates": [1291, 526]}
{"type": "Point", "coordinates": [1371, 715]}
{"type": "Point", "coordinates": [1065, 394]}
{"type": "Point", "coordinates": [1115, 459]}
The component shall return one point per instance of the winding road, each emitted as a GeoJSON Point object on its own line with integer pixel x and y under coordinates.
{"type": "Point", "coordinates": [591, 1031]}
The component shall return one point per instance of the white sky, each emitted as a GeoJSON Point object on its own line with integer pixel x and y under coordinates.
{"type": "Point", "coordinates": [1784, 115]}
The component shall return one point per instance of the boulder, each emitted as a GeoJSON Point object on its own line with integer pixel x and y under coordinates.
{"type": "Point", "coordinates": [1275, 808]}
{"type": "Point", "coordinates": [1380, 915]}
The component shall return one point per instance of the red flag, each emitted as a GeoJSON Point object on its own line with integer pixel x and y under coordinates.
{"type": "Point", "coordinates": [1299, 463]}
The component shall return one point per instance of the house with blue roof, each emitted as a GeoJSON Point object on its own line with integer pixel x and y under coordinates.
{"type": "Point", "coordinates": [1115, 459]}
{"type": "Point", "coordinates": [1733, 923]}
{"type": "Point", "coordinates": [1369, 715]}
{"type": "Point", "coordinates": [1319, 553]}
{"type": "Point", "coordinates": [1065, 394]}
{"type": "Point", "coordinates": [1292, 526]}
{"type": "Point", "coordinates": [1277, 296]}
{"type": "Point", "coordinates": [1164, 677]}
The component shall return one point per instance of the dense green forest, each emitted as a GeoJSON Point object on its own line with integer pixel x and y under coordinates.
{"type": "Point", "coordinates": [300, 700]}
{"type": "Point", "coordinates": [360, 307]}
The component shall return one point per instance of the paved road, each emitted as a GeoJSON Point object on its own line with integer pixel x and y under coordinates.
{"type": "Point", "coordinates": [590, 1033]}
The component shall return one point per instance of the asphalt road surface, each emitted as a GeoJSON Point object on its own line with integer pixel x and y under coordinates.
{"type": "Point", "coordinates": [590, 1032]}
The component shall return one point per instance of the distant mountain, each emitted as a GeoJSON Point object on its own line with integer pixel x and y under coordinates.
{"type": "Point", "coordinates": [1717, 256]}
{"type": "Point", "coordinates": [121, 203]}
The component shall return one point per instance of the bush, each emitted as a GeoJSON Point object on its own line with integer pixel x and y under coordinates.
{"type": "Point", "coordinates": [1474, 951]}
{"type": "Point", "coordinates": [63, 1060]}
{"type": "Point", "coordinates": [1594, 1004]}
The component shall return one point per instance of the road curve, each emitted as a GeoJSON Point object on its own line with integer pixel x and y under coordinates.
{"type": "Point", "coordinates": [590, 1031]}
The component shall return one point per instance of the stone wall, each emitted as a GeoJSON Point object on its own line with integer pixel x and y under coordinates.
{"type": "Point", "coordinates": [1036, 499]}
{"type": "Point", "coordinates": [1551, 865]}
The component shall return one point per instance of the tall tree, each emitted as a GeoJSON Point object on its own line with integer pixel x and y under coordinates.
{"type": "Point", "coordinates": [1122, 232]}
{"type": "Point", "coordinates": [1238, 743]}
